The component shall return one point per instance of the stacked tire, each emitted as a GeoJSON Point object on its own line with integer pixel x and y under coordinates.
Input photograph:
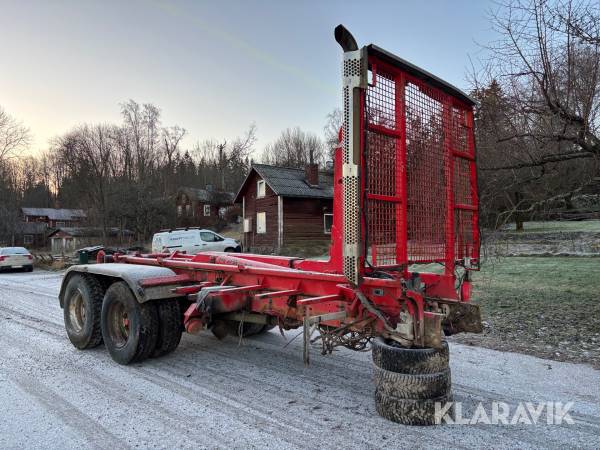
{"type": "Point", "coordinates": [410, 381]}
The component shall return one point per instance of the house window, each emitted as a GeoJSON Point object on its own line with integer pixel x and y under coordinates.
{"type": "Point", "coordinates": [60, 224]}
{"type": "Point", "coordinates": [327, 223]}
{"type": "Point", "coordinates": [261, 223]}
{"type": "Point", "coordinates": [260, 188]}
{"type": "Point", "coordinates": [188, 210]}
{"type": "Point", "coordinates": [179, 210]}
{"type": "Point", "coordinates": [206, 210]}
{"type": "Point", "coordinates": [28, 239]}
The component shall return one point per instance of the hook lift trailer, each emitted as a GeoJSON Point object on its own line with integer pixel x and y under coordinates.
{"type": "Point", "coordinates": [405, 198]}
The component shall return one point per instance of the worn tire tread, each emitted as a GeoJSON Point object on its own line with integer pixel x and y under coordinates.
{"type": "Point", "coordinates": [417, 361]}
{"type": "Point", "coordinates": [408, 411]}
{"type": "Point", "coordinates": [169, 335]}
{"type": "Point", "coordinates": [411, 386]}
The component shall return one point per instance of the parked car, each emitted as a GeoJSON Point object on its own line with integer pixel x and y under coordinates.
{"type": "Point", "coordinates": [193, 241]}
{"type": "Point", "coordinates": [16, 258]}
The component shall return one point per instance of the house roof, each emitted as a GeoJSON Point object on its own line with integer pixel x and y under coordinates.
{"type": "Point", "coordinates": [90, 231]}
{"type": "Point", "coordinates": [291, 182]}
{"type": "Point", "coordinates": [204, 195]}
{"type": "Point", "coordinates": [55, 214]}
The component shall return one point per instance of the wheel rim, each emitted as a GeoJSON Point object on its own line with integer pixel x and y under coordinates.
{"type": "Point", "coordinates": [77, 311]}
{"type": "Point", "coordinates": [118, 324]}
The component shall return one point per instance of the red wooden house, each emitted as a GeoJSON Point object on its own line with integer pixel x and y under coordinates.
{"type": "Point", "coordinates": [284, 206]}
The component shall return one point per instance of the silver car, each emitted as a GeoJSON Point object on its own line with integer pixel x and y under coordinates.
{"type": "Point", "coordinates": [16, 258]}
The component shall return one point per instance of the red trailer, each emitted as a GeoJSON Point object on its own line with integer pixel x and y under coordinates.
{"type": "Point", "coordinates": [405, 200]}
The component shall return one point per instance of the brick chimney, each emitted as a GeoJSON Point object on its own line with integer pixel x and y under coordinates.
{"type": "Point", "coordinates": [311, 174]}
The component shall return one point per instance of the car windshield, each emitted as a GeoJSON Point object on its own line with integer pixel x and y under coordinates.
{"type": "Point", "coordinates": [14, 251]}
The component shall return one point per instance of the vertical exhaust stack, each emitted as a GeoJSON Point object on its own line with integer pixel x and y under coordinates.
{"type": "Point", "coordinates": [354, 78]}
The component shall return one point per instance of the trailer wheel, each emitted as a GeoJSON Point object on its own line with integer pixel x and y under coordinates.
{"type": "Point", "coordinates": [409, 360]}
{"type": "Point", "coordinates": [82, 307]}
{"type": "Point", "coordinates": [130, 329]}
{"type": "Point", "coordinates": [249, 328]}
{"type": "Point", "coordinates": [169, 327]}
{"type": "Point", "coordinates": [410, 411]}
{"type": "Point", "coordinates": [413, 387]}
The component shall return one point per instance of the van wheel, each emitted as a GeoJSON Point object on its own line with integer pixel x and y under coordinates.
{"type": "Point", "coordinates": [130, 329]}
{"type": "Point", "coordinates": [81, 309]}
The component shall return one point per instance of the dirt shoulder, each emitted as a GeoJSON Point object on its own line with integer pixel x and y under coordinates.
{"type": "Point", "coordinates": [543, 306]}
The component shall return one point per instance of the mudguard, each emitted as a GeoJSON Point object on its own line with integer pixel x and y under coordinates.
{"type": "Point", "coordinates": [132, 274]}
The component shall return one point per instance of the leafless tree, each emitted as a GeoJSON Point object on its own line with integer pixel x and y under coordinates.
{"type": "Point", "coordinates": [542, 81]}
{"type": "Point", "coordinates": [14, 136]}
{"type": "Point", "coordinates": [331, 131]}
{"type": "Point", "coordinates": [171, 138]}
{"type": "Point", "coordinates": [295, 148]}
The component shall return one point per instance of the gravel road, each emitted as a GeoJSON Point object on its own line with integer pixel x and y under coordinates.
{"type": "Point", "coordinates": [220, 394]}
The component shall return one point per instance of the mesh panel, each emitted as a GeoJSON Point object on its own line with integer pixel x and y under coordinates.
{"type": "Point", "coordinates": [382, 162]}
{"type": "Point", "coordinates": [383, 174]}
{"type": "Point", "coordinates": [465, 245]}
{"type": "Point", "coordinates": [427, 168]}
{"type": "Point", "coordinates": [382, 232]}
{"type": "Point", "coordinates": [462, 181]}
{"type": "Point", "coordinates": [381, 105]}
{"type": "Point", "coordinates": [419, 173]}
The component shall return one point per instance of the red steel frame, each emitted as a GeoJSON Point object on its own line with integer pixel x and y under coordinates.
{"type": "Point", "coordinates": [290, 289]}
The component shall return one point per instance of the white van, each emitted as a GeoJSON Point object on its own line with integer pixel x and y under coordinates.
{"type": "Point", "coordinates": [193, 241]}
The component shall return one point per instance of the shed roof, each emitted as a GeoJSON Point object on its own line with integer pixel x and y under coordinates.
{"type": "Point", "coordinates": [291, 182]}
{"type": "Point", "coordinates": [90, 231]}
{"type": "Point", "coordinates": [54, 213]}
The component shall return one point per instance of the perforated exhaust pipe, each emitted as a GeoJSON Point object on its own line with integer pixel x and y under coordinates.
{"type": "Point", "coordinates": [354, 78]}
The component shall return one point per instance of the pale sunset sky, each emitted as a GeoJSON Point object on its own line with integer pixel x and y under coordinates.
{"type": "Point", "coordinates": [213, 67]}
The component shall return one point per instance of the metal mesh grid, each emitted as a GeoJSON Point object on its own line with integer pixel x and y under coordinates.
{"type": "Point", "coordinates": [427, 173]}
{"type": "Point", "coordinates": [462, 181]}
{"type": "Point", "coordinates": [420, 172]}
{"type": "Point", "coordinates": [382, 232]}
{"type": "Point", "coordinates": [459, 131]}
{"type": "Point", "coordinates": [382, 175]}
{"type": "Point", "coordinates": [465, 245]}
{"type": "Point", "coordinates": [381, 101]}
{"type": "Point", "coordinates": [381, 161]}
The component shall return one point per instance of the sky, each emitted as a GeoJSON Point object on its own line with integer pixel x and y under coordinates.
{"type": "Point", "coordinates": [213, 67]}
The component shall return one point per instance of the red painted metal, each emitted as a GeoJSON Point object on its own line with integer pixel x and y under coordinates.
{"type": "Point", "coordinates": [420, 206]}
{"type": "Point", "coordinates": [165, 281]}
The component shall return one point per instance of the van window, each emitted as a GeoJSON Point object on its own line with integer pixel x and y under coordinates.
{"type": "Point", "coordinates": [208, 237]}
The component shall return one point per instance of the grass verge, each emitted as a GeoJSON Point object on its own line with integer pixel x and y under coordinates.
{"type": "Point", "coordinates": [547, 307]}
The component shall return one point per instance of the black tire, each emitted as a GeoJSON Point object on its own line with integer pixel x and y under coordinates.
{"type": "Point", "coordinates": [169, 328]}
{"type": "Point", "coordinates": [229, 250]}
{"type": "Point", "coordinates": [130, 329]}
{"type": "Point", "coordinates": [412, 387]}
{"type": "Point", "coordinates": [29, 269]}
{"type": "Point", "coordinates": [249, 328]}
{"type": "Point", "coordinates": [82, 311]}
{"type": "Point", "coordinates": [409, 411]}
{"type": "Point", "coordinates": [410, 360]}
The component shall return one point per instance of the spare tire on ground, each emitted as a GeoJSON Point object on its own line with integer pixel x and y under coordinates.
{"type": "Point", "coordinates": [390, 356]}
{"type": "Point", "coordinates": [410, 411]}
{"type": "Point", "coordinates": [410, 382]}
